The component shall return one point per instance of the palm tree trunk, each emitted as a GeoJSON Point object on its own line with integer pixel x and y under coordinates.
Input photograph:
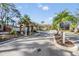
{"type": "Point", "coordinates": [27, 30]}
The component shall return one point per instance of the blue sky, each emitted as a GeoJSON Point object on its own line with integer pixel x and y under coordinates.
{"type": "Point", "coordinates": [45, 11]}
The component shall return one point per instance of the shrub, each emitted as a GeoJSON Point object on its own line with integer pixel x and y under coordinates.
{"type": "Point", "coordinates": [73, 26]}
{"type": "Point", "coordinates": [13, 32]}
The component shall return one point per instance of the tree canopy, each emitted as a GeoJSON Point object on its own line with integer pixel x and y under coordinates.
{"type": "Point", "coordinates": [8, 11]}
{"type": "Point", "coordinates": [25, 20]}
{"type": "Point", "coordinates": [63, 17]}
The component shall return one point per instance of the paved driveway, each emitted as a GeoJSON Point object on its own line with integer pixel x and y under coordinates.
{"type": "Point", "coordinates": [36, 45]}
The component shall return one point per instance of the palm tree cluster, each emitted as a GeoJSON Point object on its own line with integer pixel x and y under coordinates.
{"type": "Point", "coordinates": [26, 21]}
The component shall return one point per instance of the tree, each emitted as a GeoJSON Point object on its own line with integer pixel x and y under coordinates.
{"type": "Point", "coordinates": [26, 21]}
{"type": "Point", "coordinates": [7, 20]}
{"type": "Point", "coordinates": [8, 11]}
{"type": "Point", "coordinates": [63, 17]}
{"type": "Point", "coordinates": [12, 21]}
{"type": "Point", "coordinates": [3, 10]}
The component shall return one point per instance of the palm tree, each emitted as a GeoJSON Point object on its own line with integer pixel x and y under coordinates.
{"type": "Point", "coordinates": [63, 17]}
{"type": "Point", "coordinates": [27, 22]}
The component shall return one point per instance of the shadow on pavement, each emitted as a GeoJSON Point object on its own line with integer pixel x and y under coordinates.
{"type": "Point", "coordinates": [31, 49]}
{"type": "Point", "coordinates": [47, 49]}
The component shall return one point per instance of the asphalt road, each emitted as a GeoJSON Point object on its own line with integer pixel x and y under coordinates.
{"type": "Point", "coordinates": [40, 44]}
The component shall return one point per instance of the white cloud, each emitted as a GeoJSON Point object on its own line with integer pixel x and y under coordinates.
{"type": "Point", "coordinates": [45, 8]}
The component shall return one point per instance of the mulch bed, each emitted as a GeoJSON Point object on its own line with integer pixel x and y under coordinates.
{"type": "Point", "coordinates": [67, 43]}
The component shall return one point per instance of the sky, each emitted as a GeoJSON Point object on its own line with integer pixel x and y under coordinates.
{"type": "Point", "coordinates": [39, 12]}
